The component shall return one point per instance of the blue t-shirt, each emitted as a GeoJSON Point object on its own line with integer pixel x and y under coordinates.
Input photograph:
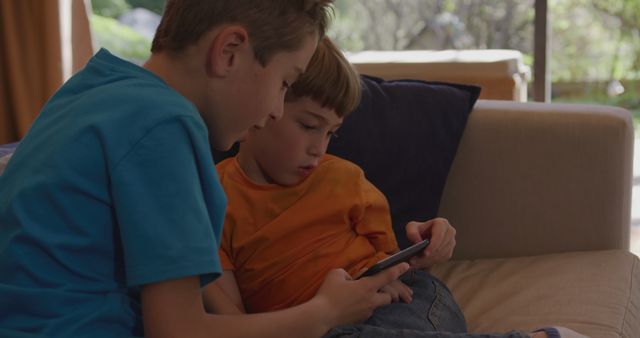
{"type": "Point", "coordinates": [112, 188]}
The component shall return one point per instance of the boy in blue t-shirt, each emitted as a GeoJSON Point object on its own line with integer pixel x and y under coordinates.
{"type": "Point", "coordinates": [110, 210]}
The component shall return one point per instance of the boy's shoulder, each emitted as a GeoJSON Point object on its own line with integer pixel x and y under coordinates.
{"type": "Point", "coordinates": [123, 81]}
{"type": "Point", "coordinates": [335, 163]}
{"type": "Point", "coordinates": [114, 92]}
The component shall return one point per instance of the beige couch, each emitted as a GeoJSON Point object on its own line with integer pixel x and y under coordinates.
{"type": "Point", "coordinates": [540, 196]}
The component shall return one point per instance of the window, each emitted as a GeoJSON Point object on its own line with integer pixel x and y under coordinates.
{"type": "Point", "coordinates": [425, 24]}
{"type": "Point", "coordinates": [125, 27]}
{"type": "Point", "coordinates": [594, 45]}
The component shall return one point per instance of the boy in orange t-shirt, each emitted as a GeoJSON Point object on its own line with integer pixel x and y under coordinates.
{"type": "Point", "coordinates": [311, 212]}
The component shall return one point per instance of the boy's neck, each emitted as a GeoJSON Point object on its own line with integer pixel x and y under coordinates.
{"type": "Point", "coordinates": [180, 73]}
{"type": "Point", "coordinates": [250, 167]}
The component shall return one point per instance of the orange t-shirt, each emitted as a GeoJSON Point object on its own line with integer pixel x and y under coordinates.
{"type": "Point", "coordinates": [281, 241]}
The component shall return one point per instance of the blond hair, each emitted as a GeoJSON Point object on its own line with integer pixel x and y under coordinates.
{"type": "Point", "coordinates": [273, 25]}
{"type": "Point", "coordinates": [329, 79]}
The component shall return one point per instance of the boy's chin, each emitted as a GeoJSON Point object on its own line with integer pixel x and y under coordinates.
{"type": "Point", "coordinates": [247, 133]}
{"type": "Point", "coordinates": [243, 136]}
{"type": "Point", "coordinates": [221, 145]}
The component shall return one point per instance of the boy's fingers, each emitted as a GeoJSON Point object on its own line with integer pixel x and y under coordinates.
{"type": "Point", "coordinates": [340, 274]}
{"type": "Point", "coordinates": [439, 230]}
{"type": "Point", "coordinates": [447, 235]}
{"type": "Point", "coordinates": [387, 276]}
{"type": "Point", "coordinates": [435, 229]}
{"type": "Point", "coordinates": [418, 231]}
{"type": "Point", "coordinates": [395, 296]}
{"type": "Point", "coordinates": [381, 298]}
{"type": "Point", "coordinates": [404, 292]}
{"type": "Point", "coordinates": [406, 297]}
{"type": "Point", "coordinates": [414, 231]}
{"type": "Point", "coordinates": [409, 293]}
{"type": "Point", "coordinates": [442, 241]}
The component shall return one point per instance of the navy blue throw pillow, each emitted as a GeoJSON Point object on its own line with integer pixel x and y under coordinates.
{"type": "Point", "coordinates": [404, 135]}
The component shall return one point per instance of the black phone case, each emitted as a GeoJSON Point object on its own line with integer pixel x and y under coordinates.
{"type": "Point", "coordinates": [397, 258]}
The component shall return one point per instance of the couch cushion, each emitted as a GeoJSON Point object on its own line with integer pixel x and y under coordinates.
{"type": "Point", "coordinates": [404, 135]}
{"type": "Point", "coordinates": [596, 293]}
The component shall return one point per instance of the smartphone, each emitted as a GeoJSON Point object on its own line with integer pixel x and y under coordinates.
{"type": "Point", "coordinates": [396, 258]}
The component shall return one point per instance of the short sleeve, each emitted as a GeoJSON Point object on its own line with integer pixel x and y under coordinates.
{"type": "Point", "coordinates": [169, 204]}
{"type": "Point", "coordinates": [375, 220]}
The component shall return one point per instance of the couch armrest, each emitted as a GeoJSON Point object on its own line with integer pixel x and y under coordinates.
{"type": "Point", "coordinates": [536, 178]}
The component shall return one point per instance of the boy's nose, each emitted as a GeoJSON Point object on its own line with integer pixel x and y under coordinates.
{"type": "Point", "coordinates": [317, 149]}
{"type": "Point", "coordinates": [277, 111]}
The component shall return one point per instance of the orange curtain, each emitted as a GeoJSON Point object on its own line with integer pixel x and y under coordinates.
{"type": "Point", "coordinates": [31, 61]}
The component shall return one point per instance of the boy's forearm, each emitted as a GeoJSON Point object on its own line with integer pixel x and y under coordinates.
{"type": "Point", "coordinates": [228, 320]}
{"type": "Point", "coordinates": [228, 284]}
{"type": "Point", "coordinates": [305, 320]}
{"type": "Point", "coordinates": [175, 309]}
{"type": "Point", "coordinates": [217, 301]}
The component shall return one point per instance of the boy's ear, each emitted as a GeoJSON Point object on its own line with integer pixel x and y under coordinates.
{"type": "Point", "coordinates": [226, 50]}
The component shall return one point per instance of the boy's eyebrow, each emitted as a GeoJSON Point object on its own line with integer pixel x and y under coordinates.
{"type": "Point", "coordinates": [321, 118]}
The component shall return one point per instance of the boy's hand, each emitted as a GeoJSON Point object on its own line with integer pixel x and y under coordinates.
{"type": "Point", "coordinates": [442, 237]}
{"type": "Point", "coordinates": [353, 301]}
{"type": "Point", "coordinates": [398, 290]}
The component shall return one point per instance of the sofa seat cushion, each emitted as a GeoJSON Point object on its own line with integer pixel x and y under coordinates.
{"type": "Point", "coordinates": [596, 293]}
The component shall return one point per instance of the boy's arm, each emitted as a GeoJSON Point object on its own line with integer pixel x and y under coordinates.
{"type": "Point", "coordinates": [375, 220]}
{"type": "Point", "coordinates": [175, 308]}
{"type": "Point", "coordinates": [223, 296]}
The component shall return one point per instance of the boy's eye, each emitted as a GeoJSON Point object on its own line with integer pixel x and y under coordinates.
{"type": "Point", "coordinates": [307, 126]}
{"type": "Point", "coordinates": [285, 85]}
{"type": "Point", "coordinates": [333, 134]}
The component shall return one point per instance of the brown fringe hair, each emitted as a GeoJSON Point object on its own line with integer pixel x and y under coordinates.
{"type": "Point", "coordinates": [329, 79]}
{"type": "Point", "coordinates": [273, 25]}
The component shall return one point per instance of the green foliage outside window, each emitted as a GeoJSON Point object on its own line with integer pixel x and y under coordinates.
{"type": "Point", "coordinates": [120, 39]}
{"type": "Point", "coordinates": [592, 41]}
{"type": "Point", "coordinates": [153, 5]}
{"type": "Point", "coordinates": [110, 8]}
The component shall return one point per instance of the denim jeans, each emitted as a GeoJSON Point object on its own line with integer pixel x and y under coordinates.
{"type": "Point", "coordinates": [433, 313]}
